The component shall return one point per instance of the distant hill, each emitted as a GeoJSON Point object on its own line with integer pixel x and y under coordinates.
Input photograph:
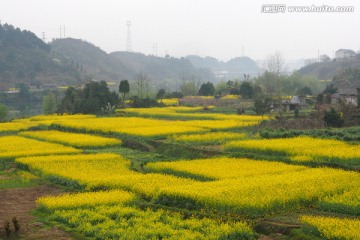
{"type": "Point", "coordinates": [158, 68]}
{"type": "Point", "coordinates": [234, 68]}
{"type": "Point", "coordinates": [24, 58]}
{"type": "Point", "coordinates": [93, 61]}
{"type": "Point", "coordinates": [327, 70]}
{"type": "Point", "coordinates": [126, 65]}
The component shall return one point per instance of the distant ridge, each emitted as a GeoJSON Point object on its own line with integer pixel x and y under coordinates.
{"type": "Point", "coordinates": [25, 58]}
{"type": "Point", "coordinates": [95, 62]}
{"type": "Point", "coordinates": [234, 68]}
{"type": "Point", "coordinates": [126, 65]}
{"type": "Point", "coordinates": [327, 70]}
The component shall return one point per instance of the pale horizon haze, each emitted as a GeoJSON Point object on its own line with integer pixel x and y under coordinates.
{"type": "Point", "coordinates": [222, 29]}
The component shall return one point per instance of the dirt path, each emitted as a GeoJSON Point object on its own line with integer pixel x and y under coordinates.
{"type": "Point", "coordinates": [19, 203]}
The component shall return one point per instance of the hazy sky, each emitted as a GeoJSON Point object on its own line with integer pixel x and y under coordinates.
{"type": "Point", "coordinates": [217, 28]}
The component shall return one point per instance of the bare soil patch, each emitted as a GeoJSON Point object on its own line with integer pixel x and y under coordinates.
{"type": "Point", "coordinates": [19, 203]}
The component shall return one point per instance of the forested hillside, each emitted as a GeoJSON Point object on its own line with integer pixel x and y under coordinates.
{"type": "Point", "coordinates": [24, 58]}
{"type": "Point", "coordinates": [327, 70]}
{"type": "Point", "coordinates": [126, 65]}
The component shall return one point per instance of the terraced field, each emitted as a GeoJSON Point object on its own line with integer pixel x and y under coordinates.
{"type": "Point", "coordinates": [130, 179]}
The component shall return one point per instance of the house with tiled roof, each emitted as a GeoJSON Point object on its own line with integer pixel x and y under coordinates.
{"type": "Point", "coordinates": [346, 96]}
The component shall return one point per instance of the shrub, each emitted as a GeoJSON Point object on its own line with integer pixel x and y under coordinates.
{"type": "Point", "coordinates": [333, 118]}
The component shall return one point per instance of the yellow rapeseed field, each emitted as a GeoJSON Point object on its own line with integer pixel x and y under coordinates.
{"type": "Point", "coordinates": [231, 97]}
{"type": "Point", "coordinates": [16, 146]}
{"type": "Point", "coordinates": [151, 131]}
{"type": "Point", "coordinates": [302, 148]}
{"type": "Point", "coordinates": [47, 120]}
{"type": "Point", "coordinates": [16, 126]}
{"type": "Point", "coordinates": [189, 113]}
{"type": "Point", "coordinates": [121, 222]}
{"type": "Point", "coordinates": [93, 171]}
{"type": "Point", "coordinates": [72, 139]}
{"type": "Point", "coordinates": [345, 202]}
{"type": "Point", "coordinates": [223, 167]}
{"type": "Point", "coordinates": [208, 138]}
{"type": "Point", "coordinates": [86, 199]}
{"type": "Point", "coordinates": [131, 125]}
{"type": "Point", "coordinates": [148, 127]}
{"type": "Point", "coordinates": [333, 227]}
{"type": "Point", "coordinates": [231, 187]}
{"type": "Point", "coordinates": [262, 194]}
{"type": "Point", "coordinates": [170, 101]}
{"type": "Point", "coordinates": [218, 124]}
{"type": "Point", "coordinates": [65, 117]}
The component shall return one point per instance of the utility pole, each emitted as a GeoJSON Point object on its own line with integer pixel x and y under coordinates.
{"type": "Point", "coordinates": [62, 31]}
{"type": "Point", "coordinates": [155, 49]}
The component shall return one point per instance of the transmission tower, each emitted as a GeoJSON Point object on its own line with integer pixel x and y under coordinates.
{"type": "Point", "coordinates": [128, 40]}
{"type": "Point", "coordinates": [43, 36]}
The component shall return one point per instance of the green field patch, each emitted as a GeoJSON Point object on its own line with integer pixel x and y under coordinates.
{"type": "Point", "coordinates": [17, 179]}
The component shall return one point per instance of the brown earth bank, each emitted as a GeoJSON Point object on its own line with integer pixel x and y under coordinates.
{"type": "Point", "coordinates": [19, 203]}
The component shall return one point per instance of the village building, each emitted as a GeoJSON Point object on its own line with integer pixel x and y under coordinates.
{"type": "Point", "coordinates": [344, 53]}
{"type": "Point", "coordinates": [345, 96]}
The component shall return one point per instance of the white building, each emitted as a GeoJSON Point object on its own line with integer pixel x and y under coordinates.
{"type": "Point", "coordinates": [344, 53]}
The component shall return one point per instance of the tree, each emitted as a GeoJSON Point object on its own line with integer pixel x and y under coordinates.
{"type": "Point", "coordinates": [262, 105]}
{"type": "Point", "coordinates": [49, 103]}
{"type": "Point", "coordinates": [24, 97]}
{"type": "Point", "coordinates": [206, 89]}
{"type": "Point", "coordinates": [3, 112]}
{"type": "Point", "coordinates": [69, 104]}
{"type": "Point", "coordinates": [190, 85]}
{"type": "Point", "coordinates": [276, 63]}
{"type": "Point", "coordinates": [93, 98]}
{"type": "Point", "coordinates": [275, 69]}
{"type": "Point", "coordinates": [257, 91]}
{"type": "Point", "coordinates": [331, 89]}
{"type": "Point", "coordinates": [174, 95]}
{"type": "Point", "coordinates": [235, 91]}
{"type": "Point", "coordinates": [160, 94]}
{"type": "Point", "coordinates": [327, 98]}
{"type": "Point", "coordinates": [124, 88]}
{"type": "Point", "coordinates": [333, 118]}
{"type": "Point", "coordinates": [320, 98]}
{"type": "Point", "coordinates": [247, 90]}
{"type": "Point", "coordinates": [97, 96]}
{"type": "Point", "coordinates": [304, 91]}
{"type": "Point", "coordinates": [324, 58]}
{"type": "Point", "coordinates": [141, 83]}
